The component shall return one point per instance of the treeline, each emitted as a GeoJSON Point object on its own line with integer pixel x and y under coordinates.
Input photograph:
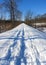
{"type": "Point", "coordinates": [37, 21]}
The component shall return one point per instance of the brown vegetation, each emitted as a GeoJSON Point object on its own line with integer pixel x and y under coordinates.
{"type": "Point", "coordinates": [7, 25]}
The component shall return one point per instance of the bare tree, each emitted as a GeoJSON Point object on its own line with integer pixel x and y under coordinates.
{"type": "Point", "coordinates": [2, 11]}
{"type": "Point", "coordinates": [18, 15]}
{"type": "Point", "coordinates": [12, 8]}
{"type": "Point", "coordinates": [28, 16]}
{"type": "Point", "coordinates": [1, 15]}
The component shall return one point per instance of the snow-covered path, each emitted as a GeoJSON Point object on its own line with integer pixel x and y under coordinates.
{"type": "Point", "coordinates": [23, 45]}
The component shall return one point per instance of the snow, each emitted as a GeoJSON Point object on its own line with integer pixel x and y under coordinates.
{"type": "Point", "coordinates": [23, 45]}
{"type": "Point", "coordinates": [44, 30]}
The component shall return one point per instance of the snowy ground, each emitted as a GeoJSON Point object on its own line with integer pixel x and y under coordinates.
{"type": "Point", "coordinates": [23, 45]}
{"type": "Point", "coordinates": [44, 30]}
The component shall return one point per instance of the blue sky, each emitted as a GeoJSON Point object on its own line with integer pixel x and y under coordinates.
{"type": "Point", "coordinates": [36, 6]}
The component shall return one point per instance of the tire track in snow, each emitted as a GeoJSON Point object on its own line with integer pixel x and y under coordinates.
{"type": "Point", "coordinates": [22, 51]}
{"type": "Point", "coordinates": [8, 55]}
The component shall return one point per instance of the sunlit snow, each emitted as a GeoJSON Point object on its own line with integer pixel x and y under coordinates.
{"type": "Point", "coordinates": [23, 45]}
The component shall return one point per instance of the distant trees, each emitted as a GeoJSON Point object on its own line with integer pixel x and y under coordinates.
{"type": "Point", "coordinates": [28, 16]}
{"type": "Point", "coordinates": [18, 16]}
